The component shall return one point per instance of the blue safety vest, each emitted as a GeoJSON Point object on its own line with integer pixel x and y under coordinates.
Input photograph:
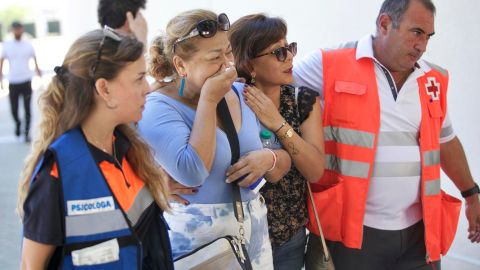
{"type": "Point", "coordinates": [92, 213]}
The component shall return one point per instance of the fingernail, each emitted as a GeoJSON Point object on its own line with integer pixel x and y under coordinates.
{"type": "Point", "coordinates": [227, 181]}
{"type": "Point", "coordinates": [186, 203]}
{"type": "Point", "coordinates": [195, 190]}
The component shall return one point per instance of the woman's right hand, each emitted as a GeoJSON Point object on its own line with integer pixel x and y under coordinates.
{"type": "Point", "coordinates": [215, 87]}
{"type": "Point", "coordinates": [177, 189]}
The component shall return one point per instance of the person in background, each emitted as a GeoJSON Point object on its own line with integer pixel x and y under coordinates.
{"type": "Point", "coordinates": [387, 135]}
{"type": "Point", "coordinates": [124, 16]}
{"type": "Point", "coordinates": [92, 194]}
{"type": "Point", "coordinates": [180, 122]}
{"type": "Point", "coordinates": [18, 53]}
{"type": "Point", "coordinates": [264, 58]}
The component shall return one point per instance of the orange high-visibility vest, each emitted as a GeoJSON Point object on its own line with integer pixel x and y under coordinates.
{"type": "Point", "coordinates": [351, 123]}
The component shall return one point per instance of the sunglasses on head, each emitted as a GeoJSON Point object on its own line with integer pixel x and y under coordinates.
{"type": "Point", "coordinates": [110, 33]}
{"type": "Point", "coordinates": [282, 52]}
{"type": "Point", "coordinates": [207, 28]}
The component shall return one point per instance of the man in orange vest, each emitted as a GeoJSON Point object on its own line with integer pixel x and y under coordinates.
{"type": "Point", "coordinates": [387, 135]}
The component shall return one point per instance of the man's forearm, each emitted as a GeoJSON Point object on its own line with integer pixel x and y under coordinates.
{"type": "Point", "coordinates": [454, 164]}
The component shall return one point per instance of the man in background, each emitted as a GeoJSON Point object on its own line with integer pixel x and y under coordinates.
{"type": "Point", "coordinates": [18, 52]}
{"type": "Point", "coordinates": [124, 16]}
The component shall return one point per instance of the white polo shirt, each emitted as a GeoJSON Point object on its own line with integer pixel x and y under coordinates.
{"type": "Point", "coordinates": [18, 54]}
{"type": "Point", "coordinates": [393, 201]}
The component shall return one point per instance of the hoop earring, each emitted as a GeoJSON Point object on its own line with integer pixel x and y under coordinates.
{"type": "Point", "coordinates": [182, 86]}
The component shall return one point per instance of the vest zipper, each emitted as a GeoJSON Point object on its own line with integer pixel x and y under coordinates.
{"type": "Point", "coordinates": [115, 160]}
{"type": "Point", "coordinates": [125, 178]}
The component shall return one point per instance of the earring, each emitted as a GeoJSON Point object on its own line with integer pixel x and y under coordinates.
{"type": "Point", "coordinates": [252, 81]}
{"type": "Point", "coordinates": [182, 86]}
{"type": "Point", "coordinates": [111, 106]}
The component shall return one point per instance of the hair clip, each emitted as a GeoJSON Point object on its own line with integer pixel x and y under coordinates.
{"type": "Point", "coordinates": [59, 70]}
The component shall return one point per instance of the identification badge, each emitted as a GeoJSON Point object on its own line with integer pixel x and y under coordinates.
{"type": "Point", "coordinates": [105, 252]}
{"type": "Point", "coordinates": [84, 207]}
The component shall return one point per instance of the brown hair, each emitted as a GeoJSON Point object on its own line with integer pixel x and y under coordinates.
{"type": "Point", "coordinates": [162, 47]}
{"type": "Point", "coordinates": [252, 34]}
{"type": "Point", "coordinates": [69, 98]}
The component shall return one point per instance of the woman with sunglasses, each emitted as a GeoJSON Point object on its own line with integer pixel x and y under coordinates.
{"type": "Point", "coordinates": [92, 196]}
{"type": "Point", "coordinates": [264, 58]}
{"type": "Point", "coordinates": [182, 125]}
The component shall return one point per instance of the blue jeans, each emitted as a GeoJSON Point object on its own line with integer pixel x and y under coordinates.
{"type": "Point", "coordinates": [290, 255]}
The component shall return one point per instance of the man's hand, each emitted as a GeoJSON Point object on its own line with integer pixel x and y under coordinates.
{"type": "Point", "coordinates": [472, 211]}
{"type": "Point", "coordinates": [138, 26]}
{"type": "Point", "coordinates": [177, 189]}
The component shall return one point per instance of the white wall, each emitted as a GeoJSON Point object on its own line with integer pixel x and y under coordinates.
{"type": "Point", "coordinates": [323, 23]}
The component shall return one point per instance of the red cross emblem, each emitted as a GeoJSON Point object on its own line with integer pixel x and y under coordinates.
{"type": "Point", "coordinates": [433, 88]}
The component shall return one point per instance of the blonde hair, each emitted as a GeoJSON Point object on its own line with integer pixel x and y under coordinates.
{"type": "Point", "coordinates": [162, 48]}
{"type": "Point", "coordinates": [69, 98]}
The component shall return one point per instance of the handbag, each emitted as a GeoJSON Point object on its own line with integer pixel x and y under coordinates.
{"type": "Point", "coordinates": [227, 252]}
{"type": "Point", "coordinates": [317, 256]}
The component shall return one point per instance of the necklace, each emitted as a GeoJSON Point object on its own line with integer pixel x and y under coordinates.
{"type": "Point", "coordinates": [96, 143]}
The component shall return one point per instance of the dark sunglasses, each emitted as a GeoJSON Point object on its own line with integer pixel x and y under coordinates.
{"type": "Point", "coordinates": [110, 33]}
{"type": "Point", "coordinates": [207, 28]}
{"type": "Point", "coordinates": [282, 52]}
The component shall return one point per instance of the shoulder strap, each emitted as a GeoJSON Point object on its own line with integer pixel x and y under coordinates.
{"type": "Point", "coordinates": [229, 128]}
{"type": "Point", "coordinates": [227, 121]}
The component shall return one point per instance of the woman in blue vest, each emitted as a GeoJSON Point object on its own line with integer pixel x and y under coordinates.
{"type": "Point", "coordinates": [92, 196]}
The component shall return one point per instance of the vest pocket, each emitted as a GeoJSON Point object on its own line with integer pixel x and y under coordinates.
{"type": "Point", "coordinates": [329, 204]}
{"type": "Point", "coordinates": [450, 213]}
{"type": "Point", "coordinates": [348, 102]}
{"type": "Point", "coordinates": [350, 88]}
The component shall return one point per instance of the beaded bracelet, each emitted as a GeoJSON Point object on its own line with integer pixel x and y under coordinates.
{"type": "Point", "coordinates": [274, 159]}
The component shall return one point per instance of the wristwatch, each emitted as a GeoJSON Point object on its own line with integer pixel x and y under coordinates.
{"type": "Point", "coordinates": [287, 134]}
{"type": "Point", "coordinates": [469, 192]}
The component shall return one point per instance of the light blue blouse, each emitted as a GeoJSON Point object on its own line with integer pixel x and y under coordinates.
{"type": "Point", "coordinates": [166, 126]}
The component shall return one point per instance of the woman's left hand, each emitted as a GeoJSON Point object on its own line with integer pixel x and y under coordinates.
{"type": "Point", "coordinates": [251, 167]}
{"type": "Point", "coordinates": [263, 107]}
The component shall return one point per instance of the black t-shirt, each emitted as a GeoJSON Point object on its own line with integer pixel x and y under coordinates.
{"type": "Point", "coordinates": [44, 214]}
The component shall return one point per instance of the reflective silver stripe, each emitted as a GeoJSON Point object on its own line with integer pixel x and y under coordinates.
{"type": "Point", "coordinates": [95, 223]}
{"type": "Point", "coordinates": [432, 187]}
{"type": "Point", "coordinates": [347, 167]}
{"type": "Point", "coordinates": [349, 136]}
{"type": "Point", "coordinates": [431, 158]}
{"type": "Point", "coordinates": [143, 200]}
{"type": "Point", "coordinates": [443, 71]}
{"type": "Point", "coordinates": [347, 45]}
{"type": "Point", "coordinates": [446, 131]}
{"type": "Point", "coordinates": [392, 138]}
{"type": "Point", "coordinates": [396, 169]}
